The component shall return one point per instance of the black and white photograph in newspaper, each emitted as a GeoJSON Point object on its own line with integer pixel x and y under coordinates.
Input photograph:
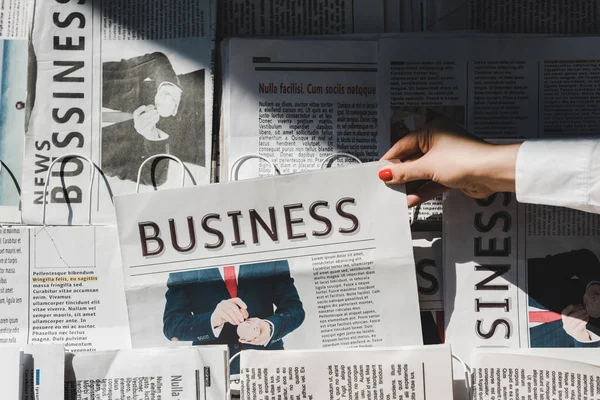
{"type": "Point", "coordinates": [153, 102]}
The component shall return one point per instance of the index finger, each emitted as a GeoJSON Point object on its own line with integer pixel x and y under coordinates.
{"type": "Point", "coordinates": [238, 302]}
{"type": "Point", "coordinates": [404, 148]}
{"type": "Point", "coordinates": [580, 314]}
{"type": "Point", "coordinates": [138, 111]}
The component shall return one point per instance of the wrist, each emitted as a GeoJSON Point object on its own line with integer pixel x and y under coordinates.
{"type": "Point", "coordinates": [498, 168]}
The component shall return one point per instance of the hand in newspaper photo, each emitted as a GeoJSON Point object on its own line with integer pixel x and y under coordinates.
{"type": "Point", "coordinates": [148, 109]}
{"type": "Point", "coordinates": [564, 306]}
{"type": "Point", "coordinates": [575, 319]}
{"type": "Point", "coordinates": [246, 306]}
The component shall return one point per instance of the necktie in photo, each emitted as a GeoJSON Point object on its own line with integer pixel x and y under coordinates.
{"type": "Point", "coordinates": [544, 316]}
{"type": "Point", "coordinates": [230, 282]}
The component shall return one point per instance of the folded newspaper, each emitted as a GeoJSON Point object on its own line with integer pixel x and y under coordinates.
{"type": "Point", "coordinates": [167, 374]}
{"type": "Point", "coordinates": [305, 261]}
{"type": "Point", "coordinates": [499, 375]}
{"type": "Point", "coordinates": [11, 373]}
{"type": "Point", "coordinates": [417, 373]}
{"type": "Point", "coordinates": [519, 275]}
{"type": "Point", "coordinates": [118, 82]}
{"type": "Point", "coordinates": [43, 372]}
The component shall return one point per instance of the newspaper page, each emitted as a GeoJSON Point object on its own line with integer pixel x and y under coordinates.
{"type": "Point", "coordinates": [312, 17]}
{"type": "Point", "coordinates": [509, 376]}
{"type": "Point", "coordinates": [513, 16]}
{"type": "Point", "coordinates": [303, 261]}
{"type": "Point", "coordinates": [43, 372]}
{"type": "Point", "coordinates": [13, 89]}
{"type": "Point", "coordinates": [417, 373]}
{"type": "Point", "coordinates": [15, 19]}
{"type": "Point", "coordinates": [585, 355]}
{"type": "Point", "coordinates": [427, 248]}
{"type": "Point", "coordinates": [62, 285]}
{"type": "Point", "coordinates": [494, 87]}
{"type": "Point", "coordinates": [297, 102]}
{"type": "Point", "coordinates": [11, 367]}
{"type": "Point", "coordinates": [519, 276]}
{"type": "Point", "coordinates": [117, 81]}
{"type": "Point", "coordinates": [167, 374]}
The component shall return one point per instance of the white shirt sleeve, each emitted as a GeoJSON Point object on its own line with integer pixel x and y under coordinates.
{"type": "Point", "coordinates": [217, 329]}
{"type": "Point", "coordinates": [563, 173]}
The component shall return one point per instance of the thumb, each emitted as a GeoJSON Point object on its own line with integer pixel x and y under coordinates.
{"type": "Point", "coordinates": [406, 171]}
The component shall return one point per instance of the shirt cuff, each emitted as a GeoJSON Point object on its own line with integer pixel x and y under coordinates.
{"type": "Point", "coordinates": [556, 172]}
{"type": "Point", "coordinates": [272, 332]}
{"type": "Point", "coordinates": [593, 338]}
{"type": "Point", "coordinates": [216, 330]}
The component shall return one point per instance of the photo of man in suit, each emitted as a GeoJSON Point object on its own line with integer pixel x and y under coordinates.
{"type": "Point", "coordinates": [564, 300]}
{"type": "Point", "coordinates": [148, 109]}
{"type": "Point", "coordinates": [251, 306]}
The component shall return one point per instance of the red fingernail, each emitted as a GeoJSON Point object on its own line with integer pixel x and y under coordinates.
{"type": "Point", "coordinates": [386, 175]}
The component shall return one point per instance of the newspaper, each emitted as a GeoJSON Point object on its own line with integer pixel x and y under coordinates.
{"type": "Point", "coordinates": [43, 372]}
{"type": "Point", "coordinates": [427, 247]}
{"type": "Point", "coordinates": [583, 355]}
{"type": "Point", "coordinates": [117, 81]}
{"type": "Point", "coordinates": [495, 87]}
{"type": "Point", "coordinates": [11, 367]}
{"type": "Point", "coordinates": [296, 102]}
{"type": "Point", "coordinates": [518, 275]}
{"type": "Point", "coordinates": [15, 19]}
{"type": "Point", "coordinates": [512, 16]}
{"type": "Point", "coordinates": [417, 373]}
{"type": "Point", "coordinates": [314, 17]}
{"type": "Point", "coordinates": [292, 262]}
{"type": "Point", "coordinates": [12, 126]}
{"type": "Point", "coordinates": [167, 374]}
{"type": "Point", "coordinates": [62, 285]}
{"type": "Point", "coordinates": [510, 376]}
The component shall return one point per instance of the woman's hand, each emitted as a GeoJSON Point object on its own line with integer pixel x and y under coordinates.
{"type": "Point", "coordinates": [442, 156]}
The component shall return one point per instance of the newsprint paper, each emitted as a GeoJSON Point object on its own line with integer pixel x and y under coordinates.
{"type": "Point", "coordinates": [296, 102]}
{"type": "Point", "coordinates": [302, 18]}
{"type": "Point", "coordinates": [402, 373]}
{"type": "Point", "coordinates": [15, 19]}
{"type": "Point", "coordinates": [165, 374]}
{"type": "Point", "coordinates": [117, 81]}
{"type": "Point", "coordinates": [302, 261]}
{"type": "Point", "coordinates": [62, 284]}
{"type": "Point", "coordinates": [519, 276]}
{"type": "Point", "coordinates": [512, 376]}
